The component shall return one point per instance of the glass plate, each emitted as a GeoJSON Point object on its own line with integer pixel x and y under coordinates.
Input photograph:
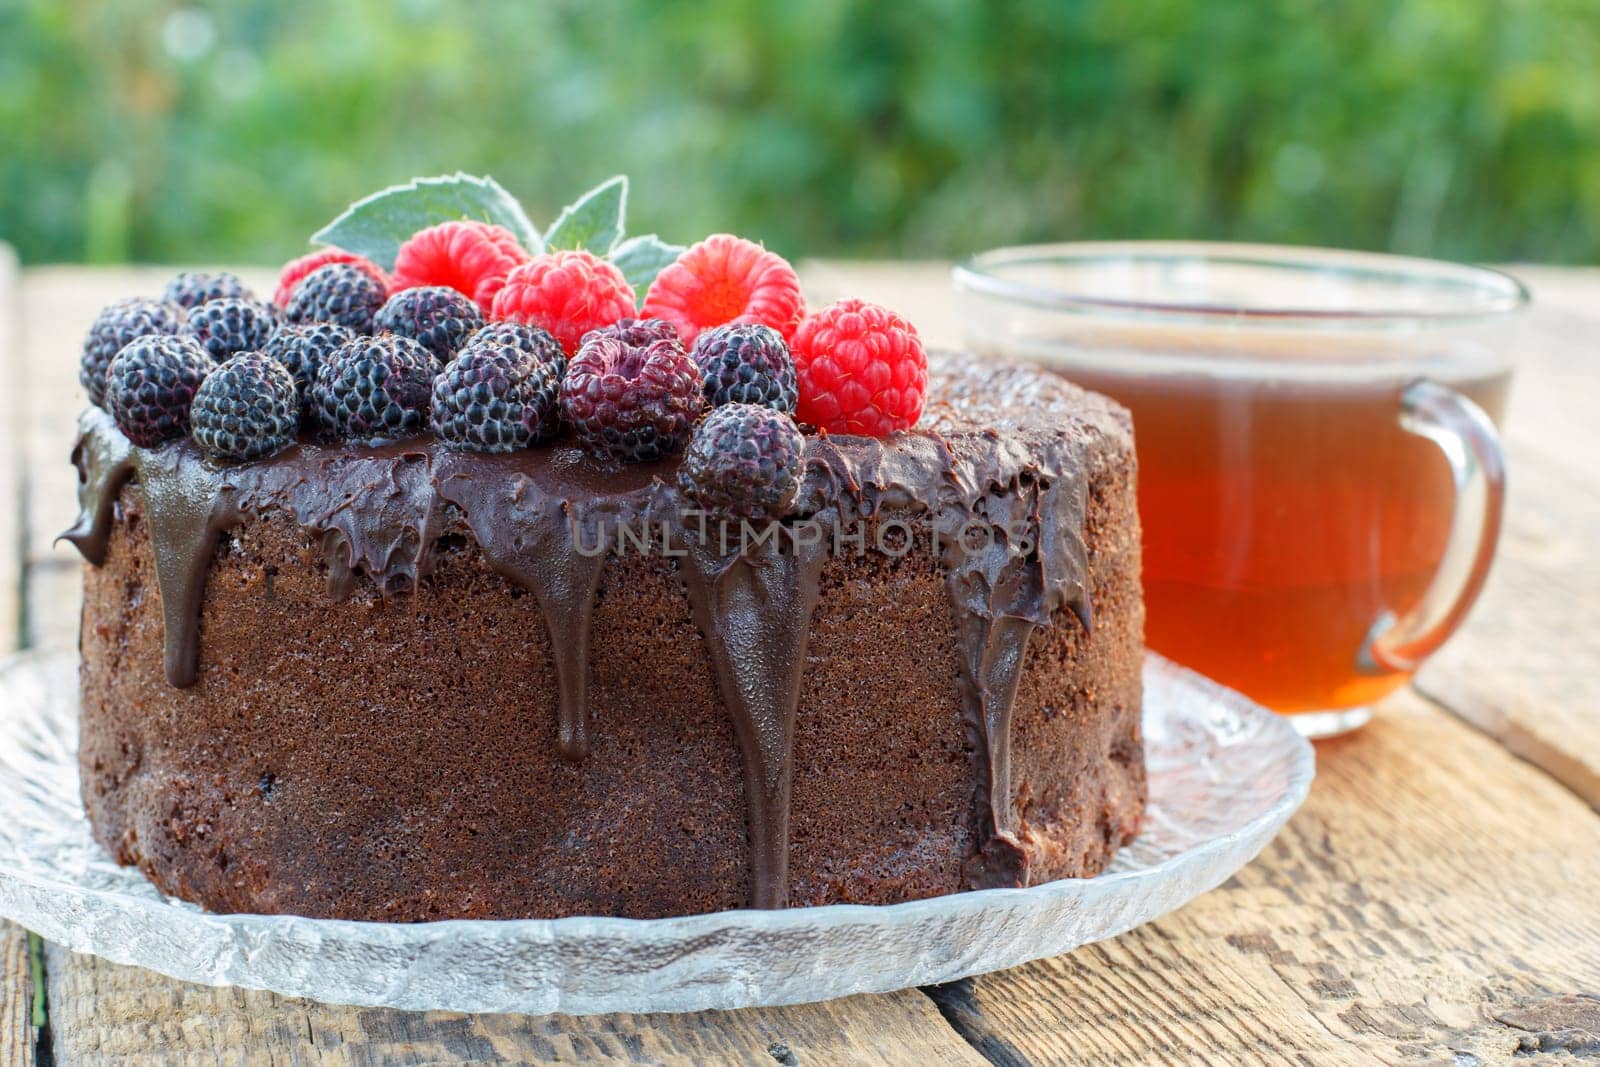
{"type": "Point", "coordinates": [1224, 777]}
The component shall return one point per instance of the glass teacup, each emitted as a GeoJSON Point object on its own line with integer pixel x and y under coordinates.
{"type": "Point", "coordinates": [1321, 481]}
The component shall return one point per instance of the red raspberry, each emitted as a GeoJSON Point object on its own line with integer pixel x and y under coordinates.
{"type": "Point", "coordinates": [469, 257]}
{"type": "Point", "coordinates": [862, 370]}
{"type": "Point", "coordinates": [726, 279]}
{"type": "Point", "coordinates": [296, 269]}
{"type": "Point", "coordinates": [567, 293]}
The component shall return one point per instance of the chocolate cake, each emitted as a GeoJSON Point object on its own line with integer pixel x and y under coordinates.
{"type": "Point", "coordinates": [406, 682]}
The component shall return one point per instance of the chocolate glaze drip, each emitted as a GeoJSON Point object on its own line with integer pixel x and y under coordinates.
{"type": "Point", "coordinates": [373, 512]}
{"type": "Point", "coordinates": [993, 478]}
{"type": "Point", "coordinates": [188, 506]}
{"type": "Point", "coordinates": [992, 656]}
{"type": "Point", "coordinates": [755, 615]}
{"type": "Point", "coordinates": [530, 538]}
{"type": "Point", "coordinates": [999, 595]}
{"type": "Point", "coordinates": [105, 462]}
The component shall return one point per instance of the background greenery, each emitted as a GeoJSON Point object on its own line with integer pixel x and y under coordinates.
{"type": "Point", "coordinates": [1464, 128]}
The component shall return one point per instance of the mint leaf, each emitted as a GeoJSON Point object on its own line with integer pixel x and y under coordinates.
{"type": "Point", "coordinates": [594, 221]}
{"type": "Point", "coordinates": [640, 259]}
{"type": "Point", "coordinates": [376, 226]}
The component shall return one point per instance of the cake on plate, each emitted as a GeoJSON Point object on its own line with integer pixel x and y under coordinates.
{"type": "Point", "coordinates": [460, 585]}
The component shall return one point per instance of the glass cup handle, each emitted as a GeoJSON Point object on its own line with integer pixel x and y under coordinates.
{"type": "Point", "coordinates": [1471, 445]}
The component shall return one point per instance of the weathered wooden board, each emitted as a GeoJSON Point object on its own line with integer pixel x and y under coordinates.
{"type": "Point", "coordinates": [1431, 884]}
{"type": "Point", "coordinates": [103, 1013]}
{"type": "Point", "coordinates": [18, 1038]}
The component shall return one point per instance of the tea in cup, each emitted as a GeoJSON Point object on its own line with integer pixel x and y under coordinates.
{"type": "Point", "coordinates": [1320, 478]}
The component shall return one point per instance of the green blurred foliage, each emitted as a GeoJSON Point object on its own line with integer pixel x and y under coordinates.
{"type": "Point", "coordinates": [1463, 128]}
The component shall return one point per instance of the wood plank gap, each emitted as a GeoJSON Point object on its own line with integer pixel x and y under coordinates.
{"type": "Point", "coordinates": [960, 1008]}
{"type": "Point", "coordinates": [39, 1003]}
{"type": "Point", "coordinates": [1565, 769]}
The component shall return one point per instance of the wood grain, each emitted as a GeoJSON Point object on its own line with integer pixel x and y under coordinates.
{"type": "Point", "coordinates": [18, 1038]}
{"type": "Point", "coordinates": [1431, 889]}
{"type": "Point", "coordinates": [1557, 1024]}
{"type": "Point", "coordinates": [105, 1013]}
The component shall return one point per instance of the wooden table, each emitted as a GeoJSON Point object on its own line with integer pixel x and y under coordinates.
{"type": "Point", "coordinates": [1436, 901]}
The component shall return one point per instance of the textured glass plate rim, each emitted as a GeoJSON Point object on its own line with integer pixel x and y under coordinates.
{"type": "Point", "coordinates": [721, 960]}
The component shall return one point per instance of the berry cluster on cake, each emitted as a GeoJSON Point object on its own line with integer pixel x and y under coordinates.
{"type": "Point", "coordinates": [490, 573]}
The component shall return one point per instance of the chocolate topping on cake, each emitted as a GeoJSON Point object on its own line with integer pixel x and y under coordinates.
{"type": "Point", "coordinates": [995, 470]}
